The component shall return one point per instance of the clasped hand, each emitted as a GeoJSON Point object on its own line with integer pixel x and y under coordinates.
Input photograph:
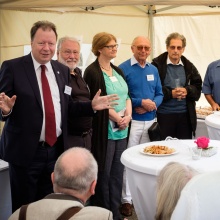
{"type": "Point", "coordinates": [147, 106]}
{"type": "Point", "coordinates": [123, 122]}
{"type": "Point", "coordinates": [179, 93]}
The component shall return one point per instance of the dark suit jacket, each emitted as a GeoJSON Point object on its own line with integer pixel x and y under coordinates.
{"type": "Point", "coordinates": [22, 129]}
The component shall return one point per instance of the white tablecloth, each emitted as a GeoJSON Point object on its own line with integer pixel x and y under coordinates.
{"type": "Point", "coordinates": [5, 191]}
{"type": "Point", "coordinates": [213, 125]}
{"type": "Point", "coordinates": [142, 171]}
{"type": "Point", "coordinates": [201, 129]}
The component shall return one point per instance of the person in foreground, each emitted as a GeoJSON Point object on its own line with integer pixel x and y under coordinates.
{"type": "Point", "coordinates": [34, 103]}
{"type": "Point", "coordinates": [79, 128]}
{"type": "Point", "coordinates": [110, 127]}
{"type": "Point", "coordinates": [182, 85]}
{"type": "Point", "coordinates": [146, 92]}
{"type": "Point", "coordinates": [171, 180]}
{"type": "Point", "coordinates": [211, 85]}
{"type": "Point", "coordinates": [74, 181]}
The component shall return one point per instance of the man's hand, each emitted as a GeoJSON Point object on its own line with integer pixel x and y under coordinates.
{"type": "Point", "coordinates": [6, 103]}
{"type": "Point", "coordinates": [215, 107]}
{"type": "Point", "coordinates": [179, 93]}
{"type": "Point", "coordinates": [104, 102]}
{"type": "Point", "coordinates": [149, 105]}
{"type": "Point", "coordinates": [140, 110]}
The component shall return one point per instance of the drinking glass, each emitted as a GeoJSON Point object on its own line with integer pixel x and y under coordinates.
{"type": "Point", "coordinates": [177, 85]}
{"type": "Point", "coordinates": [196, 153]}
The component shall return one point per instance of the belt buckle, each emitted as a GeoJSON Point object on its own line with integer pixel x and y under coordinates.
{"type": "Point", "coordinates": [42, 143]}
{"type": "Point", "coordinates": [85, 133]}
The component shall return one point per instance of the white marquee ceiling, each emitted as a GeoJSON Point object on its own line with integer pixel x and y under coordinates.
{"type": "Point", "coordinates": [68, 5]}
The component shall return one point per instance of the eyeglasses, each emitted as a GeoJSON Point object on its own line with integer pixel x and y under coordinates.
{"type": "Point", "coordinates": [111, 47]}
{"type": "Point", "coordinates": [69, 52]}
{"type": "Point", "coordinates": [173, 47]}
{"type": "Point", "coordinates": [140, 48]}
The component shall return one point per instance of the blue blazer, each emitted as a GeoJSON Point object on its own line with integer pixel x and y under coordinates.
{"type": "Point", "coordinates": [22, 129]}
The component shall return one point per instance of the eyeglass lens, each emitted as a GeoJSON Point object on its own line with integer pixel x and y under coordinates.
{"type": "Point", "coordinates": [112, 46]}
{"type": "Point", "coordinates": [174, 47]}
{"type": "Point", "coordinates": [68, 52]}
{"type": "Point", "coordinates": [143, 47]}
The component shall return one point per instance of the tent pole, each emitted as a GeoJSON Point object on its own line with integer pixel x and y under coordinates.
{"type": "Point", "coordinates": [151, 11]}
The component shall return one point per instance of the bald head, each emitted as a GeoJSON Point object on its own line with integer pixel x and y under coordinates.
{"type": "Point", "coordinates": [75, 169]}
{"type": "Point", "coordinates": [140, 39]}
{"type": "Point", "coordinates": [141, 48]}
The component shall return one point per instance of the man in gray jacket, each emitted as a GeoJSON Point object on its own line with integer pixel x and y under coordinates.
{"type": "Point", "coordinates": [74, 180]}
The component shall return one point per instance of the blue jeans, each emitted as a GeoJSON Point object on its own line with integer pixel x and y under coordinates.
{"type": "Point", "coordinates": [109, 184]}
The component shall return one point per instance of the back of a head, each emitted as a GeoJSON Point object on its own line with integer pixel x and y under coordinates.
{"type": "Point", "coordinates": [200, 198]}
{"type": "Point", "coordinates": [172, 179]}
{"type": "Point", "coordinates": [75, 170]}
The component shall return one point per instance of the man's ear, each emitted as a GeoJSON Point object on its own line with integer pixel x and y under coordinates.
{"type": "Point", "coordinates": [52, 177]}
{"type": "Point", "coordinates": [92, 187]}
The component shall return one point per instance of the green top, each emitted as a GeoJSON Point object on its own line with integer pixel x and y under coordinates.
{"type": "Point", "coordinates": [117, 85]}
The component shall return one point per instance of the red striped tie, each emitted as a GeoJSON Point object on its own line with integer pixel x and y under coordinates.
{"type": "Point", "coordinates": [50, 122]}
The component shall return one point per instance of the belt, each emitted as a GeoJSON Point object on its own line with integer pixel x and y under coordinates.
{"type": "Point", "coordinates": [82, 134]}
{"type": "Point", "coordinates": [45, 144]}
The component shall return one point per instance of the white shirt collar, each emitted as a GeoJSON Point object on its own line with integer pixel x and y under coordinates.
{"type": "Point", "coordinates": [37, 65]}
{"type": "Point", "coordinates": [169, 62]}
{"type": "Point", "coordinates": [134, 61]}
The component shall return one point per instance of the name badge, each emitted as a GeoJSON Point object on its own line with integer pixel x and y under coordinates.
{"type": "Point", "coordinates": [113, 78]}
{"type": "Point", "coordinates": [150, 77]}
{"type": "Point", "coordinates": [68, 90]}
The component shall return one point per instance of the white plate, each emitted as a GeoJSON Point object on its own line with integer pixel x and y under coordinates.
{"type": "Point", "coordinates": [158, 155]}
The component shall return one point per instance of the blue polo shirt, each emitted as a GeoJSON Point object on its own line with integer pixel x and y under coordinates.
{"type": "Point", "coordinates": [211, 84]}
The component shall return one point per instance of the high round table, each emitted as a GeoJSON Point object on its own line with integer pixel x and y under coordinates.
{"type": "Point", "coordinates": [5, 191]}
{"type": "Point", "coordinates": [213, 125]}
{"type": "Point", "coordinates": [142, 171]}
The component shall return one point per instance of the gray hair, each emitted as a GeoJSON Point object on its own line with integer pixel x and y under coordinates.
{"type": "Point", "coordinates": [62, 39]}
{"type": "Point", "coordinates": [175, 35]}
{"type": "Point", "coordinates": [172, 179]}
{"type": "Point", "coordinates": [76, 176]}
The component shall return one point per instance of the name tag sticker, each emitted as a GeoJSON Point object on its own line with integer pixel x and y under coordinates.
{"type": "Point", "coordinates": [113, 79]}
{"type": "Point", "coordinates": [150, 77]}
{"type": "Point", "coordinates": [68, 90]}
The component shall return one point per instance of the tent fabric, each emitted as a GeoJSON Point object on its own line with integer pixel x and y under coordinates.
{"type": "Point", "coordinates": [198, 23]}
{"type": "Point", "coordinates": [9, 4]}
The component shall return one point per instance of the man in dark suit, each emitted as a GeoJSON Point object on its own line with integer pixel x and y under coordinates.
{"type": "Point", "coordinates": [23, 108]}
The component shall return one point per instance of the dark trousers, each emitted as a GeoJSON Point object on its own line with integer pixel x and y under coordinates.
{"type": "Point", "coordinates": [84, 141]}
{"type": "Point", "coordinates": [32, 183]}
{"type": "Point", "coordinates": [109, 185]}
{"type": "Point", "coordinates": [175, 125]}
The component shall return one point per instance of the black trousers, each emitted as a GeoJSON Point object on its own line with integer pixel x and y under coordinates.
{"type": "Point", "coordinates": [175, 125]}
{"type": "Point", "coordinates": [109, 184]}
{"type": "Point", "coordinates": [32, 183]}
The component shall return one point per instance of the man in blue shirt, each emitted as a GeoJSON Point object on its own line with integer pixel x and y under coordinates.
{"type": "Point", "coordinates": [211, 85]}
{"type": "Point", "coordinates": [146, 93]}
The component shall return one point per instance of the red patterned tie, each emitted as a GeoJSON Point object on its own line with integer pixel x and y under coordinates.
{"type": "Point", "coordinates": [50, 122]}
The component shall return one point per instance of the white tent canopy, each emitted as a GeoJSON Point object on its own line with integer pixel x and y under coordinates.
{"type": "Point", "coordinates": [125, 19]}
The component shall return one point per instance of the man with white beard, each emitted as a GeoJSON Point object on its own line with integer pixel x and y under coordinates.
{"type": "Point", "coordinates": [79, 128]}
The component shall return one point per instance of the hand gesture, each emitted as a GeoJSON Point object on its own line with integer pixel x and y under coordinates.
{"type": "Point", "coordinates": [104, 102]}
{"type": "Point", "coordinates": [6, 103]}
